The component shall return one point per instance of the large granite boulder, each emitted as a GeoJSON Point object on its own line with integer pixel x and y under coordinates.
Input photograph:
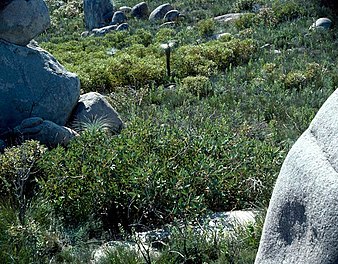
{"type": "Point", "coordinates": [22, 20]}
{"type": "Point", "coordinates": [118, 18]}
{"type": "Point", "coordinates": [93, 107]}
{"type": "Point", "coordinates": [302, 220]}
{"type": "Point", "coordinates": [159, 12]}
{"type": "Point", "coordinates": [34, 84]}
{"type": "Point", "coordinates": [97, 13]}
{"type": "Point", "coordinates": [140, 11]}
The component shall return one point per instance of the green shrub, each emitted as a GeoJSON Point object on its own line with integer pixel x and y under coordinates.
{"type": "Point", "coordinates": [129, 69]}
{"type": "Point", "coordinates": [199, 86]}
{"type": "Point", "coordinates": [206, 28]}
{"type": "Point", "coordinates": [164, 35]}
{"type": "Point", "coordinates": [289, 10]}
{"type": "Point", "coordinates": [209, 58]}
{"type": "Point", "coordinates": [79, 182]}
{"type": "Point", "coordinates": [245, 5]}
{"type": "Point", "coordinates": [18, 166]}
{"type": "Point", "coordinates": [30, 242]}
{"type": "Point", "coordinates": [247, 21]}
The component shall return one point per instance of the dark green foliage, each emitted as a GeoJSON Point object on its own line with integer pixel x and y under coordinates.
{"type": "Point", "coordinates": [212, 138]}
{"type": "Point", "coordinates": [209, 58]}
{"type": "Point", "coordinates": [79, 182]}
{"type": "Point", "coordinates": [18, 166]}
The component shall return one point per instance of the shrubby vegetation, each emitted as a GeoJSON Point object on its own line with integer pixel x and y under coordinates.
{"type": "Point", "coordinates": [209, 138]}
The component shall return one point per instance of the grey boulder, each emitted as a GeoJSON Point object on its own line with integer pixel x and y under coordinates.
{"type": "Point", "coordinates": [140, 11]}
{"type": "Point", "coordinates": [94, 108]}
{"type": "Point", "coordinates": [172, 15]}
{"type": "Point", "coordinates": [301, 223]}
{"type": "Point", "coordinates": [118, 18]}
{"type": "Point", "coordinates": [160, 11]}
{"type": "Point", "coordinates": [22, 20]}
{"type": "Point", "coordinates": [34, 84]}
{"type": "Point", "coordinates": [97, 13]}
{"type": "Point", "coordinates": [125, 9]}
{"type": "Point", "coordinates": [321, 23]}
{"type": "Point", "coordinates": [102, 31]}
{"type": "Point", "coordinates": [122, 27]}
{"type": "Point", "coordinates": [45, 131]}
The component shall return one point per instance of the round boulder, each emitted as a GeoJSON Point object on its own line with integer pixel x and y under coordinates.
{"type": "Point", "coordinates": [160, 12]}
{"type": "Point", "coordinates": [21, 20]}
{"type": "Point", "coordinates": [172, 15]}
{"type": "Point", "coordinates": [125, 9]}
{"type": "Point", "coordinates": [118, 18]}
{"type": "Point", "coordinates": [93, 107]}
{"type": "Point", "coordinates": [122, 27]}
{"type": "Point", "coordinates": [322, 23]}
{"type": "Point", "coordinates": [140, 11]}
{"type": "Point", "coordinates": [34, 84]}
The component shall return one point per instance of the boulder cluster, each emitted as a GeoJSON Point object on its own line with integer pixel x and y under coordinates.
{"type": "Point", "coordinates": [100, 17]}
{"type": "Point", "coordinates": [39, 97]}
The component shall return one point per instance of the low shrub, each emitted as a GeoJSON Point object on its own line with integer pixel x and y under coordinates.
{"type": "Point", "coordinates": [199, 86]}
{"type": "Point", "coordinates": [79, 181]}
{"type": "Point", "coordinates": [18, 166]}
{"type": "Point", "coordinates": [208, 58]}
{"type": "Point", "coordinates": [206, 28]}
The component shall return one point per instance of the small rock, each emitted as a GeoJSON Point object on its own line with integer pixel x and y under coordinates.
{"type": "Point", "coordinates": [321, 23]}
{"type": "Point", "coordinates": [118, 18]}
{"type": "Point", "coordinates": [168, 24]}
{"type": "Point", "coordinates": [85, 34]}
{"type": "Point", "coordinates": [140, 11]}
{"type": "Point", "coordinates": [160, 12]}
{"type": "Point", "coordinates": [23, 20]}
{"type": "Point", "coordinates": [222, 35]}
{"type": "Point", "coordinates": [125, 9]}
{"type": "Point", "coordinates": [266, 46]}
{"type": "Point", "coordinates": [122, 27]}
{"type": "Point", "coordinates": [172, 15]}
{"type": "Point", "coordinates": [256, 8]}
{"type": "Point", "coordinates": [93, 106]}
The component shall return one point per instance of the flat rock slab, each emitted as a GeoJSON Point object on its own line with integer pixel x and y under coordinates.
{"type": "Point", "coordinates": [34, 84]}
{"type": "Point", "coordinates": [302, 219]}
{"type": "Point", "coordinates": [228, 17]}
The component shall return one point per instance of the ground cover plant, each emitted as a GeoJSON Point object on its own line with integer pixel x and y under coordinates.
{"type": "Point", "coordinates": [211, 137]}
